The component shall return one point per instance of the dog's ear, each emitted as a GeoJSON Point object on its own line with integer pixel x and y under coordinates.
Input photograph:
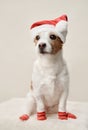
{"type": "Point", "coordinates": [61, 29]}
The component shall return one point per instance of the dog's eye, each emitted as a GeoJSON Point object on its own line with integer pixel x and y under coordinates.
{"type": "Point", "coordinates": [52, 37]}
{"type": "Point", "coordinates": [37, 37]}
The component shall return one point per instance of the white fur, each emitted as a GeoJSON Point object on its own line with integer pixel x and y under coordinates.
{"type": "Point", "coordinates": [50, 81]}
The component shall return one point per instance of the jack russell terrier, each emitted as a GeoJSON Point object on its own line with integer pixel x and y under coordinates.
{"type": "Point", "coordinates": [50, 78]}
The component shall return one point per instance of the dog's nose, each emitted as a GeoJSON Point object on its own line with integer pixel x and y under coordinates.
{"type": "Point", "coordinates": [42, 45]}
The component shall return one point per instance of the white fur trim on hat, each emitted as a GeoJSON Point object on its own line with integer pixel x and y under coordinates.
{"type": "Point", "coordinates": [41, 28]}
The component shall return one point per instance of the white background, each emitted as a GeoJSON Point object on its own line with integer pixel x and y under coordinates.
{"type": "Point", "coordinates": [17, 50]}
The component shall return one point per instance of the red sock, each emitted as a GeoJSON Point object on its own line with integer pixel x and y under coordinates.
{"type": "Point", "coordinates": [62, 115]}
{"type": "Point", "coordinates": [65, 116]}
{"type": "Point", "coordinates": [71, 116]}
{"type": "Point", "coordinates": [41, 115]}
{"type": "Point", "coordinates": [24, 117]}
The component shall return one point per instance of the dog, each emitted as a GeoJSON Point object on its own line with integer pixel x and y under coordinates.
{"type": "Point", "coordinates": [50, 78]}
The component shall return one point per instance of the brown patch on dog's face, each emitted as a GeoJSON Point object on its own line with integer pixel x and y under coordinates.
{"type": "Point", "coordinates": [36, 39]}
{"type": "Point", "coordinates": [56, 43]}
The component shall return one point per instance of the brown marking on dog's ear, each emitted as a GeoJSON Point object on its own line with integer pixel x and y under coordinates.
{"type": "Point", "coordinates": [31, 86]}
{"type": "Point", "coordinates": [56, 45]}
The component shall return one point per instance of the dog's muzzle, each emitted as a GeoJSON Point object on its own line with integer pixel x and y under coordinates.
{"type": "Point", "coordinates": [42, 47]}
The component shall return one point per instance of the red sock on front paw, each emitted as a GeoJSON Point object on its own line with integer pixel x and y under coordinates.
{"type": "Point", "coordinates": [70, 115]}
{"type": "Point", "coordinates": [24, 117]}
{"type": "Point", "coordinates": [65, 116]}
{"type": "Point", "coordinates": [41, 116]}
{"type": "Point", "coordinates": [62, 115]}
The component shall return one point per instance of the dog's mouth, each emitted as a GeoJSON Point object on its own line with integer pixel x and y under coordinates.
{"type": "Point", "coordinates": [42, 51]}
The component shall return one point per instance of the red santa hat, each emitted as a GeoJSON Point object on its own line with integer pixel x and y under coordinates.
{"type": "Point", "coordinates": [58, 25]}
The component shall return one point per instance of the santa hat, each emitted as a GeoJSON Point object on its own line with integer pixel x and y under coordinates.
{"type": "Point", "coordinates": [58, 25]}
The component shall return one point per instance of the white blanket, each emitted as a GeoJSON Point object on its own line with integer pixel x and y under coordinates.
{"type": "Point", "coordinates": [12, 109]}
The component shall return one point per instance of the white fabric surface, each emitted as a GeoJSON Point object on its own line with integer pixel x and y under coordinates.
{"type": "Point", "coordinates": [12, 109]}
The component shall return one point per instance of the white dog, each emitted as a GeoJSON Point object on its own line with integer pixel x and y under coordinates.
{"type": "Point", "coordinates": [50, 78]}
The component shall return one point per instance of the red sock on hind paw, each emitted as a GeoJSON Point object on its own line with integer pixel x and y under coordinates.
{"type": "Point", "coordinates": [24, 117]}
{"type": "Point", "coordinates": [41, 116]}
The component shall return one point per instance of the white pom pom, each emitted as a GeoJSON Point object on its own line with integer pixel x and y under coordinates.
{"type": "Point", "coordinates": [61, 29]}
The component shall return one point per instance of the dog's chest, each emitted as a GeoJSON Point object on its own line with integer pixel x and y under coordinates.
{"type": "Point", "coordinates": [46, 82]}
{"type": "Point", "coordinates": [50, 88]}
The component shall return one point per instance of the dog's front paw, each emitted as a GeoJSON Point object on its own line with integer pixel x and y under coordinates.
{"type": "Point", "coordinates": [62, 115]}
{"type": "Point", "coordinates": [41, 116]}
{"type": "Point", "coordinates": [70, 115]}
{"type": "Point", "coordinates": [24, 117]}
{"type": "Point", "coordinates": [65, 116]}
